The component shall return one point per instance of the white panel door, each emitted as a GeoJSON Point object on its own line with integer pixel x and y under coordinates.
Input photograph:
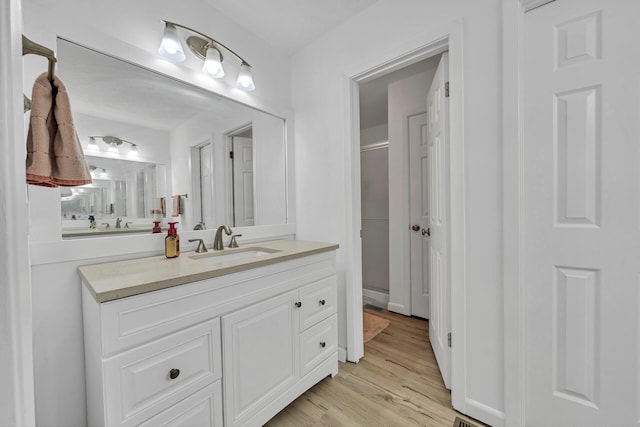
{"type": "Point", "coordinates": [419, 210]}
{"type": "Point", "coordinates": [438, 153]}
{"type": "Point", "coordinates": [206, 186]}
{"type": "Point", "coordinates": [243, 182]}
{"type": "Point", "coordinates": [581, 217]}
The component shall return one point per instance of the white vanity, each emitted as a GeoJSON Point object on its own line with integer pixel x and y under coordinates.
{"type": "Point", "coordinates": [221, 338]}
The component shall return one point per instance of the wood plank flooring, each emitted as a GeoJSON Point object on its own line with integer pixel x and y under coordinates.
{"type": "Point", "coordinates": [397, 383]}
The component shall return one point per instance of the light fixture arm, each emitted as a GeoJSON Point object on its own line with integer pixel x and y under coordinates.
{"type": "Point", "coordinates": [209, 39]}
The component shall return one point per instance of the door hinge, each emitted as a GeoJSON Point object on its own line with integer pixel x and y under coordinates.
{"type": "Point", "coordinates": [231, 154]}
{"type": "Point", "coordinates": [449, 339]}
{"type": "Point", "coordinates": [446, 89]}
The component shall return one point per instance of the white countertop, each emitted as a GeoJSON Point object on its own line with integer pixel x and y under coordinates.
{"type": "Point", "coordinates": [113, 280]}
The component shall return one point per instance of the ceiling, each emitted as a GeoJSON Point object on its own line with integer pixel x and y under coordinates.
{"type": "Point", "coordinates": [289, 25]}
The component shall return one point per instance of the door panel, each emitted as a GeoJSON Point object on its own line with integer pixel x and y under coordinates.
{"type": "Point", "coordinates": [438, 148]}
{"type": "Point", "coordinates": [581, 220]}
{"type": "Point", "coordinates": [419, 170]}
{"type": "Point", "coordinates": [243, 194]}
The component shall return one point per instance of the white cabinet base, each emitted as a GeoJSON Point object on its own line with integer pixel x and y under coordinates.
{"type": "Point", "coordinates": [260, 338]}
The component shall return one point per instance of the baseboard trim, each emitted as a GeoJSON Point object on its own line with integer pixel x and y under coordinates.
{"type": "Point", "coordinates": [398, 308]}
{"type": "Point", "coordinates": [377, 298]}
{"type": "Point", "coordinates": [342, 354]}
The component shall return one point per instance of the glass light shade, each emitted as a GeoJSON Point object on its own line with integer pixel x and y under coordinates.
{"type": "Point", "coordinates": [213, 64]}
{"type": "Point", "coordinates": [124, 148]}
{"type": "Point", "coordinates": [93, 145]}
{"type": "Point", "coordinates": [113, 148]}
{"type": "Point", "coordinates": [171, 47]}
{"type": "Point", "coordinates": [245, 79]}
{"type": "Point", "coordinates": [134, 151]}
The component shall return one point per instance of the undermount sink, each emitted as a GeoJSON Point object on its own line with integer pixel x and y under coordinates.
{"type": "Point", "coordinates": [223, 256]}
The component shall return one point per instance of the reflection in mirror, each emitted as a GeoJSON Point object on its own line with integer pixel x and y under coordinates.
{"type": "Point", "coordinates": [229, 158]}
{"type": "Point", "coordinates": [125, 197]}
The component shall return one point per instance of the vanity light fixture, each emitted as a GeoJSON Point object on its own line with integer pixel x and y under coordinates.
{"type": "Point", "coordinates": [114, 145]}
{"type": "Point", "coordinates": [207, 49]}
{"type": "Point", "coordinates": [93, 145]}
{"type": "Point", "coordinates": [97, 172]}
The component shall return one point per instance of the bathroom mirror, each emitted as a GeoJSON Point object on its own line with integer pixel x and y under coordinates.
{"type": "Point", "coordinates": [224, 159]}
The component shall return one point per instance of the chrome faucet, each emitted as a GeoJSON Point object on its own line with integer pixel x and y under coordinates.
{"type": "Point", "coordinates": [218, 245]}
{"type": "Point", "coordinates": [119, 222]}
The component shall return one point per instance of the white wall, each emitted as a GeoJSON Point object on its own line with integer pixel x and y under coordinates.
{"type": "Point", "coordinates": [320, 89]}
{"type": "Point", "coordinates": [374, 134]}
{"type": "Point", "coordinates": [132, 31]}
{"type": "Point", "coordinates": [374, 167]}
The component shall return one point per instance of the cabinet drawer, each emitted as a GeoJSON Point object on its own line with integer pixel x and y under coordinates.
{"type": "Point", "coordinates": [318, 301]}
{"type": "Point", "coordinates": [203, 409]}
{"type": "Point", "coordinates": [145, 381]}
{"type": "Point", "coordinates": [317, 343]}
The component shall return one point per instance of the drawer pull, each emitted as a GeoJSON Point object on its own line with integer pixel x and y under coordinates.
{"type": "Point", "coordinates": [173, 374]}
{"type": "Point", "coordinates": [322, 302]}
{"type": "Point", "coordinates": [323, 344]}
{"type": "Point", "coordinates": [298, 304]}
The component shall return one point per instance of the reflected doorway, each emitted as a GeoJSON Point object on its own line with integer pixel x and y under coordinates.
{"type": "Point", "coordinates": [242, 176]}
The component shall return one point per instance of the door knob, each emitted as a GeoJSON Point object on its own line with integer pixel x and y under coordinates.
{"type": "Point", "coordinates": [427, 231]}
{"type": "Point", "coordinates": [415, 227]}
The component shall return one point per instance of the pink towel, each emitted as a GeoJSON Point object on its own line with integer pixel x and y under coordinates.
{"type": "Point", "coordinates": [178, 205]}
{"type": "Point", "coordinates": [54, 154]}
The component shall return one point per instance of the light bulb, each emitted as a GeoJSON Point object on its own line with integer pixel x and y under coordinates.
{"type": "Point", "coordinates": [171, 47]}
{"type": "Point", "coordinates": [93, 145]}
{"type": "Point", "coordinates": [213, 63]}
{"type": "Point", "coordinates": [245, 79]}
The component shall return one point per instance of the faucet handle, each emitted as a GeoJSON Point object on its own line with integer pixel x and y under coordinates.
{"type": "Point", "coordinates": [201, 247]}
{"type": "Point", "coordinates": [233, 243]}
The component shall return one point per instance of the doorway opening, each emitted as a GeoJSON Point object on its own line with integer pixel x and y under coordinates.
{"type": "Point", "coordinates": [404, 130]}
{"type": "Point", "coordinates": [241, 203]}
{"type": "Point", "coordinates": [388, 104]}
{"type": "Point", "coordinates": [450, 41]}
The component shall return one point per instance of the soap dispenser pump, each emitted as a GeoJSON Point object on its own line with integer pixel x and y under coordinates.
{"type": "Point", "coordinates": [172, 242]}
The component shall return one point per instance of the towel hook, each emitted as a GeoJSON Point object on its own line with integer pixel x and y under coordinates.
{"type": "Point", "coordinates": [32, 48]}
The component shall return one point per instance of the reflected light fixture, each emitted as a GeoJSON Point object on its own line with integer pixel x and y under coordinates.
{"type": "Point", "coordinates": [93, 145]}
{"type": "Point", "coordinates": [205, 48]}
{"type": "Point", "coordinates": [115, 145]}
{"type": "Point", "coordinates": [98, 172]}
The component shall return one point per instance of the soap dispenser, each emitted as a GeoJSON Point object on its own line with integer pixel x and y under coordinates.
{"type": "Point", "coordinates": [172, 242]}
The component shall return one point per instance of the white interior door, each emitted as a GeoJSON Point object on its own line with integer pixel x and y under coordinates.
{"type": "Point", "coordinates": [206, 186]}
{"type": "Point", "coordinates": [581, 218]}
{"type": "Point", "coordinates": [419, 208]}
{"type": "Point", "coordinates": [243, 181]}
{"type": "Point", "coordinates": [438, 154]}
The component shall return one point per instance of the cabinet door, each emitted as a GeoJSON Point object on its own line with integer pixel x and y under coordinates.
{"type": "Point", "coordinates": [259, 357]}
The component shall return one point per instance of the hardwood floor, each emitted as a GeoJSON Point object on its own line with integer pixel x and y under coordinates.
{"type": "Point", "coordinates": [397, 383]}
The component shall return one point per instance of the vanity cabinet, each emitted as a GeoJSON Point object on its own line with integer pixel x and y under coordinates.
{"type": "Point", "coordinates": [231, 350]}
{"type": "Point", "coordinates": [270, 346]}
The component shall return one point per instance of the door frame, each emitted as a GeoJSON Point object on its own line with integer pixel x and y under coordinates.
{"type": "Point", "coordinates": [450, 38]}
{"type": "Point", "coordinates": [17, 390]}
{"type": "Point", "coordinates": [513, 214]}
